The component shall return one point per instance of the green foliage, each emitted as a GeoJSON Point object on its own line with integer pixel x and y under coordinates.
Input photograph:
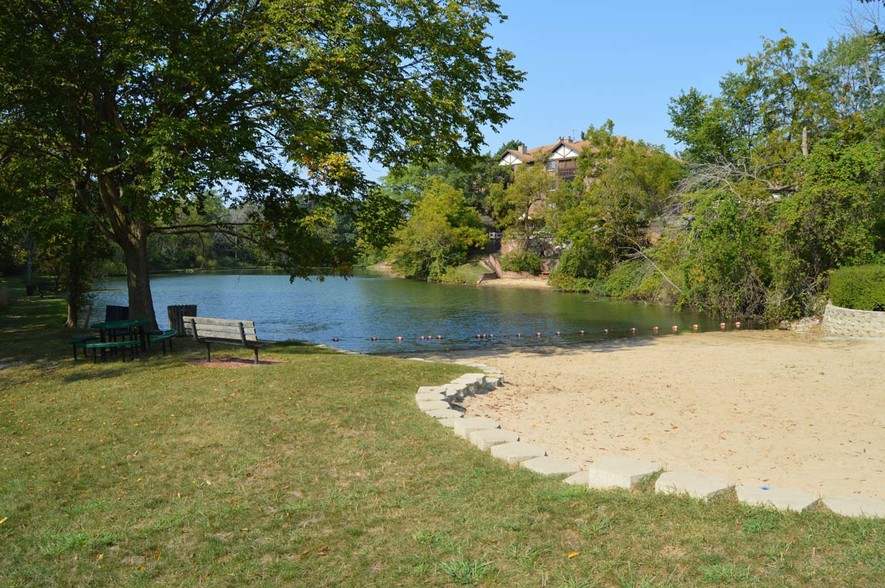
{"type": "Point", "coordinates": [158, 104]}
{"type": "Point", "coordinates": [602, 216]}
{"type": "Point", "coordinates": [834, 219]}
{"type": "Point", "coordinates": [859, 287]}
{"type": "Point", "coordinates": [520, 206]}
{"type": "Point", "coordinates": [787, 176]}
{"type": "Point", "coordinates": [474, 177]}
{"type": "Point", "coordinates": [467, 273]}
{"type": "Point", "coordinates": [521, 261]}
{"type": "Point", "coordinates": [726, 270]}
{"type": "Point", "coordinates": [439, 234]}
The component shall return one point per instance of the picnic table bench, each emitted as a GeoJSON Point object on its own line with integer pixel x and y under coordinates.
{"type": "Point", "coordinates": [232, 332]}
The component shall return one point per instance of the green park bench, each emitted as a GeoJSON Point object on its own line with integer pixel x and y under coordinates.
{"type": "Point", "coordinates": [103, 346]}
{"type": "Point", "coordinates": [162, 337]}
{"type": "Point", "coordinates": [232, 332]}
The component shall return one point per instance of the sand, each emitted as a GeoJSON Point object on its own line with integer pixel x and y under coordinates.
{"type": "Point", "coordinates": [776, 408]}
{"type": "Point", "coordinates": [526, 282]}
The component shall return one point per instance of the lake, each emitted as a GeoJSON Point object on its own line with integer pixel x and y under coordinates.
{"type": "Point", "coordinates": [369, 314]}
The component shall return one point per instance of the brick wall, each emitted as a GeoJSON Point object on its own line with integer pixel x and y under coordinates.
{"type": "Point", "coordinates": [844, 322]}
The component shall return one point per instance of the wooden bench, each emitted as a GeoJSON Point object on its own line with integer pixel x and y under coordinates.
{"type": "Point", "coordinates": [215, 330]}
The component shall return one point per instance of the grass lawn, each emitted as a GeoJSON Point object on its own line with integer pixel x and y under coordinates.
{"type": "Point", "coordinates": [321, 471]}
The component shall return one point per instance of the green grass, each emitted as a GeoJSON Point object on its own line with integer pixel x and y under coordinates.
{"type": "Point", "coordinates": [320, 471]}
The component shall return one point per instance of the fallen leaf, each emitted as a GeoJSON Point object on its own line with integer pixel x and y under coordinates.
{"type": "Point", "coordinates": [574, 554]}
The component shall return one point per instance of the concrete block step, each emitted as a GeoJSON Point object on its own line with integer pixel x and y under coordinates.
{"type": "Point", "coordinates": [445, 413]}
{"type": "Point", "coordinates": [517, 452]}
{"type": "Point", "coordinates": [426, 405]}
{"type": "Point", "coordinates": [619, 472]}
{"type": "Point", "coordinates": [422, 396]}
{"type": "Point", "coordinates": [551, 466]}
{"type": "Point", "coordinates": [780, 498]}
{"type": "Point", "coordinates": [437, 389]}
{"type": "Point", "coordinates": [488, 438]}
{"type": "Point", "coordinates": [856, 506]}
{"type": "Point", "coordinates": [465, 426]}
{"type": "Point", "coordinates": [694, 484]}
{"type": "Point", "coordinates": [579, 479]}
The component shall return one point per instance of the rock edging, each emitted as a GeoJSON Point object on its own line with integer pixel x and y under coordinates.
{"type": "Point", "coordinates": [440, 403]}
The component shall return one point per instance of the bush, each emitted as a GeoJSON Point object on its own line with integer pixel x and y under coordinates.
{"type": "Point", "coordinates": [521, 261]}
{"type": "Point", "coordinates": [860, 287]}
{"type": "Point", "coordinates": [566, 283]}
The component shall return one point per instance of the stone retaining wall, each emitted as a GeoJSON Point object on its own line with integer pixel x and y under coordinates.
{"type": "Point", "coordinates": [844, 322]}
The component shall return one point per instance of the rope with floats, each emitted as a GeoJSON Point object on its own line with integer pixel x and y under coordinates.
{"type": "Point", "coordinates": [606, 332]}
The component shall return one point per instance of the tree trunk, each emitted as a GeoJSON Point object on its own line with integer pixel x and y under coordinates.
{"type": "Point", "coordinates": [141, 303]}
{"type": "Point", "coordinates": [132, 238]}
{"type": "Point", "coordinates": [76, 285]}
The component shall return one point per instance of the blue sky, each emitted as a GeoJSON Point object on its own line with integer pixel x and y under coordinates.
{"type": "Point", "coordinates": [588, 61]}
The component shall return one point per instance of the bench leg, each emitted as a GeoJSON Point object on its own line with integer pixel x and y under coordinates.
{"type": "Point", "coordinates": [256, 355]}
{"type": "Point", "coordinates": [208, 353]}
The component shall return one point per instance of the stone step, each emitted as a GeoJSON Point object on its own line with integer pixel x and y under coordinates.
{"type": "Point", "coordinates": [465, 426]}
{"type": "Point", "coordinates": [449, 421]}
{"type": "Point", "coordinates": [455, 392]}
{"type": "Point", "coordinates": [856, 506]}
{"type": "Point", "coordinates": [694, 484]}
{"type": "Point", "coordinates": [780, 498]}
{"type": "Point", "coordinates": [550, 466]}
{"type": "Point", "coordinates": [426, 405]}
{"type": "Point", "coordinates": [517, 452]}
{"type": "Point", "coordinates": [472, 383]}
{"type": "Point", "coordinates": [491, 382]}
{"type": "Point", "coordinates": [437, 389]}
{"type": "Point", "coordinates": [579, 479]}
{"type": "Point", "coordinates": [488, 438]}
{"type": "Point", "coordinates": [619, 472]}
{"type": "Point", "coordinates": [444, 413]}
{"type": "Point", "coordinates": [422, 396]}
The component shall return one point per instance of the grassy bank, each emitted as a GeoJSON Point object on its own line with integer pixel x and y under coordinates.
{"type": "Point", "coordinates": [320, 471]}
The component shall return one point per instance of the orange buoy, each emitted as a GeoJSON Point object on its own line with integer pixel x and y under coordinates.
{"type": "Point", "coordinates": [694, 328]}
{"type": "Point", "coordinates": [737, 325]}
{"type": "Point", "coordinates": [722, 326]}
{"type": "Point", "coordinates": [675, 329]}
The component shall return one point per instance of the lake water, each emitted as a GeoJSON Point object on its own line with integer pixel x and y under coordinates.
{"type": "Point", "coordinates": [349, 314]}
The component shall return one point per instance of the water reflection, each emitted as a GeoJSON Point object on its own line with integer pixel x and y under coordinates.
{"type": "Point", "coordinates": [372, 314]}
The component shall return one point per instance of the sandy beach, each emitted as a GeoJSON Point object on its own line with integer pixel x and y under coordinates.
{"type": "Point", "coordinates": [785, 409]}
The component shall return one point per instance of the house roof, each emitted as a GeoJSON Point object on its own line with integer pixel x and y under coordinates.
{"type": "Point", "coordinates": [530, 155]}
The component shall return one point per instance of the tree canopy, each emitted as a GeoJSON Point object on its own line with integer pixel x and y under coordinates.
{"type": "Point", "coordinates": [270, 103]}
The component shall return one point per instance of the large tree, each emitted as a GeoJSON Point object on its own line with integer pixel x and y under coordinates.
{"type": "Point", "coordinates": [269, 102]}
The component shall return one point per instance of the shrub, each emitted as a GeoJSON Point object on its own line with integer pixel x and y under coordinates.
{"type": "Point", "coordinates": [521, 261]}
{"type": "Point", "coordinates": [860, 287]}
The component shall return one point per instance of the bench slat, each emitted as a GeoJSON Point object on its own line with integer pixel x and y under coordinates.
{"type": "Point", "coordinates": [220, 322]}
{"type": "Point", "coordinates": [214, 330]}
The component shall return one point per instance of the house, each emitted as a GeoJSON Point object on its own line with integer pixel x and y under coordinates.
{"type": "Point", "coordinates": [560, 157]}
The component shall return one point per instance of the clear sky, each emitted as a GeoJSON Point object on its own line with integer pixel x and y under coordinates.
{"type": "Point", "coordinates": [588, 60]}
